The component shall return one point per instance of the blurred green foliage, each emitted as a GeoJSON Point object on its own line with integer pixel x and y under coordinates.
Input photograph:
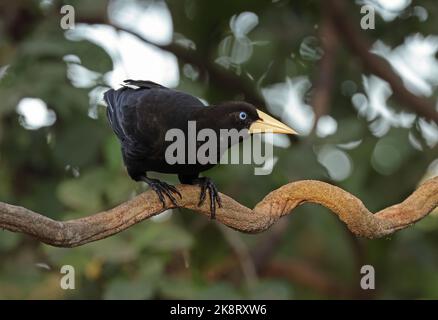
{"type": "Point", "coordinates": [73, 168]}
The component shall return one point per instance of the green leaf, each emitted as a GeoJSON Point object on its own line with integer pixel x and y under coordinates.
{"type": "Point", "coordinates": [84, 193]}
{"type": "Point", "coordinates": [174, 288]}
{"type": "Point", "coordinates": [113, 155]}
{"type": "Point", "coordinates": [8, 240]}
{"type": "Point", "coordinates": [163, 237]}
{"type": "Point", "coordinates": [120, 188]}
{"type": "Point", "coordinates": [115, 249]}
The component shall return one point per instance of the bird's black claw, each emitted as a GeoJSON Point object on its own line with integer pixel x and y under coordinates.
{"type": "Point", "coordinates": [175, 190]}
{"type": "Point", "coordinates": [202, 194]}
{"type": "Point", "coordinates": [207, 184]}
{"type": "Point", "coordinates": [161, 189]}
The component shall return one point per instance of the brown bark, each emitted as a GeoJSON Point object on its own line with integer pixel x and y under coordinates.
{"type": "Point", "coordinates": [276, 204]}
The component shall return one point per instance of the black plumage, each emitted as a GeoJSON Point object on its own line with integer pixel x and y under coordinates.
{"type": "Point", "coordinates": [141, 112]}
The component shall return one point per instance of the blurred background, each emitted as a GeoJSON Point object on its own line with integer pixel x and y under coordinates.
{"type": "Point", "coordinates": [364, 123]}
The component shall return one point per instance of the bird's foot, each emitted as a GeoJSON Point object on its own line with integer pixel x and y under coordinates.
{"type": "Point", "coordinates": [207, 184]}
{"type": "Point", "coordinates": [163, 189]}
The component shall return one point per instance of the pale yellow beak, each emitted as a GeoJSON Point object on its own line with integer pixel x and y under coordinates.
{"type": "Point", "coordinates": [266, 123]}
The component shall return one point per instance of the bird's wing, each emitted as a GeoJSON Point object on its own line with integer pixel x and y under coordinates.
{"type": "Point", "coordinates": [140, 116]}
{"type": "Point", "coordinates": [111, 100]}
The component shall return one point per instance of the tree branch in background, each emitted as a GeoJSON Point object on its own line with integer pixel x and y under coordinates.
{"type": "Point", "coordinates": [217, 74]}
{"type": "Point", "coordinates": [242, 253]}
{"type": "Point", "coordinates": [360, 46]}
{"type": "Point", "coordinates": [306, 275]}
{"type": "Point", "coordinates": [266, 246]}
{"type": "Point", "coordinates": [298, 272]}
{"type": "Point", "coordinates": [325, 77]}
{"type": "Point", "coordinates": [276, 204]}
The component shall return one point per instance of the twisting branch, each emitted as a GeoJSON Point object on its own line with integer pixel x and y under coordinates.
{"type": "Point", "coordinates": [276, 204]}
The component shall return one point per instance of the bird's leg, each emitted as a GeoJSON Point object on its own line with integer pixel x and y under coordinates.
{"type": "Point", "coordinates": [161, 189]}
{"type": "Point", "coordinates": [207, 185]}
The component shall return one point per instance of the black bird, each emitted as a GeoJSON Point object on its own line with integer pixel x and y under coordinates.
{"type": "Point", "coordinates": [141, 112]}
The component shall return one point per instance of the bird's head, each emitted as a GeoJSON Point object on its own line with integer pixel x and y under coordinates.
{"type": "Point", "coordinates": [242, 115]}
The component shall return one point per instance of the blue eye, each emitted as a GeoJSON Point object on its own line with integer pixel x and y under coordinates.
{"type": "Point", "coordinates": [243, 115]}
